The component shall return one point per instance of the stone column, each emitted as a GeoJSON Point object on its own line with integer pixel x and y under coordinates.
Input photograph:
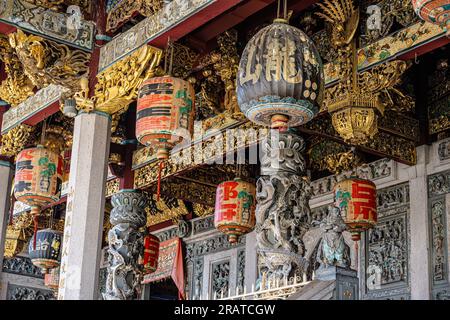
{"type": "Point", "coordinates": [419, 226]}
{"type": "Point", "coordinates": [126, 246]}
{"type": "Point", "coordinates": [81, 253]}
{"type": "Point", "coordinates": [6, 172]}
{"type": "Point", "coordinates": [282, 211]}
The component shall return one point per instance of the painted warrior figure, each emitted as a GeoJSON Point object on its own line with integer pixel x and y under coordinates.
{"type": "Point", "coordinates": [333, 251]}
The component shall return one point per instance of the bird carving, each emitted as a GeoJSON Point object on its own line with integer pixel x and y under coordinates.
{"type": "Point", "coordinates": [344, 18]}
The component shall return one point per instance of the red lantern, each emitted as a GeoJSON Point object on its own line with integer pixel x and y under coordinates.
{"type": "Point", "coordinates": [38, 178]}
{"type": "Point", "coordinates": [151, 253]}
{"type": "Point", "coordinates": [357, 199]}
{"type": "Point", "coordinates": [434, 11]}
{"type": "Point", "coordinates": [235, 208]}
{"type": "Point", "coordinates": [165, 113]}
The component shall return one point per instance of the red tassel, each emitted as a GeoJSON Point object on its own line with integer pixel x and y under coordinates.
{"type": "Point", "coordinates": [35, 230]}
{"type": "Point", "coordinates": [158, 191]}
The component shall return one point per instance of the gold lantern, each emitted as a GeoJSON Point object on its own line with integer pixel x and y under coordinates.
{"type": "Point", "coordinates": [354, 113]}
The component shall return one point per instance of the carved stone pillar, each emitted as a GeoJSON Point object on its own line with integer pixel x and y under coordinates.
{"type": "Point", "coordinates": [126, 245]}
{"type": "Point", "coordinates": [282, 211]}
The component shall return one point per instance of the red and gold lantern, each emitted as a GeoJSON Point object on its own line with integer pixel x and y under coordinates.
{"type": "Point", "coordinates": [151, 253]}
{"type": "Point", "coordinates": [434, 11]}
{"type": "Point", "coordinates": [235, 208]}
{"type": "Point", "coordinates": [38, 178]}
{"type": "Point", "coordinates": [165, 113]}
{"type": "Point", "coordinates": [357, 199]}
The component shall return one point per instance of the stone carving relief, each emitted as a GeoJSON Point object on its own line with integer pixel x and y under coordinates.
{"type": "Point", "coordinates": [240, 281]}
{"type": "Point", "coordinates": [444, 150]}
{"type": "Point", "coordinates": [439, 184]}
{"type": "Point", "coordinates": [220, 279]}
{"type": "Point", "coordinates": [210, 245]}
{"type": "Point", "coordinates": [22, 266]}
{"type": "Point", "coordinates": [27, 293]}
{"type": "Point", "coordinates": [197, 280]}
{"type": "Point", "coordinates": [125, 246]}
{"type": "Point", "coordinates": [386, 261]}
{"type": "Point", "coordinates": [282, 213]}
{"type": "Point", "coordinates": [439, 261]}
{"type": "Point", "coordinates": [203, 225]}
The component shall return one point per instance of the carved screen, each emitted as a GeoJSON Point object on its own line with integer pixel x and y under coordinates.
{"type": "Point", "coordinates": [385, 261]}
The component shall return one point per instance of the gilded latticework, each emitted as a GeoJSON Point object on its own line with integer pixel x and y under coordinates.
{"type": "Point", "coordinates": [165, 209]}
{"type": "Point", "coordinates": [15, 140]}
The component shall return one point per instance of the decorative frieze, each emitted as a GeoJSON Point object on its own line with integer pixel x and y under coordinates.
{"type": "Point", "coordinates": [203, 225]}
{"type": "Point", "coordinates": [47, 23]}
{"type": "Point", "coordinates": [22, 266]}
{"type": "Point", "coordinates": [379, 169]}
{"type": "Point", "coordinates": [27, 293]}
{"type": "Point", "coordinates": [153, 26]}
{"type": "Point", "coordinates": [210, 245]}
{"type": "Point", "coordinates": [30, 107]}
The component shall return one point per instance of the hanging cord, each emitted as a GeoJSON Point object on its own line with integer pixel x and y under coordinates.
{"type": "Point", "coordinates": [285, 10]}
{"type": "Point", "coordinates": [11, 210]}
{"type": "Point", "coordinates": [35, 213]}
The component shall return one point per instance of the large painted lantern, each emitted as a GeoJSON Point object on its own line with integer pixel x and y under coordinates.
{"type": "Point", "coordinates": [165, 113]}
{"type": "Point", "coordinates": [47, 252]}
{"type": "Point", "coordinates": [38, 177]}
{"type": "Point", "coordinates": [235, 208]}
{"type": "Point", "coordinates": [434, 11]}
{"type": "Point", "coordinates": [357, 200]}
{"type": "Point", "coordinates": [151, 253]}
{"type": "Point", "coordinates": [280, 80]}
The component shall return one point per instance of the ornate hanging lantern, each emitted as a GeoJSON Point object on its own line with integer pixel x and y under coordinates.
{"type": "Point", "coordinates": [151, 253]}
{"type": "Point", "coordinates": [357, 199]}
{"type": "Point", "coordinates": [434, 11]}
{"type": "Point", "coordinates": [38, 178]}
{"type": "Point", "coordinates": [165, 113]}
{"type": "Point", "coordinates": [235, 208]}
{"type": "Point", "coordinates": [280, 80]}
{"type": "Point", "coordinates": [46, 254]}
{"type": "Point", "coordinates": [354, 112]}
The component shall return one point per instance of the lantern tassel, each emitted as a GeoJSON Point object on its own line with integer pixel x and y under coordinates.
{"type": "Point", "coordinates": [158, 190]}
{"type": "Point", "coordinates": [35, 213]}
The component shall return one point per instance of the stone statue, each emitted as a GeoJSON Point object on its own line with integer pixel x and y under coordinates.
{"type": "Point", "coordinates": [282, 212]}
{"type": "Point", "coordinates": [333, 251]}
{"type": "Point", "coordinates": [126, 246]}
